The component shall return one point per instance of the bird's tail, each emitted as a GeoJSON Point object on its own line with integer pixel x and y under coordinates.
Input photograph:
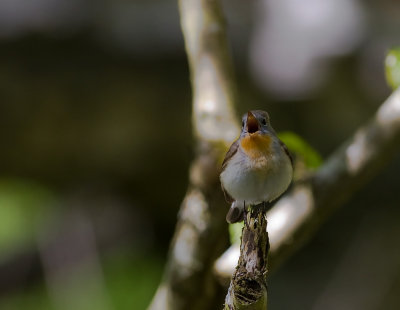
{"type": "Point", "coordinates": [235, 213]}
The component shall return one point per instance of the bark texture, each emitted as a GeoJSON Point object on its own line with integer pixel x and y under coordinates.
{"type": "Point", "coordinates": [248, 287]}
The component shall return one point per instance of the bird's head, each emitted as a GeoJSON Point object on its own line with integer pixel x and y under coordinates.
{"type": "Point", "coordinates": [257, 134]}
{"type": "Point", "coordinates": [255, 122]}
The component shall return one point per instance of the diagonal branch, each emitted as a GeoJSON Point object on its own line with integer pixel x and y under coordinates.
{"type": "Point", "coordinates": [200, 235]}
{"type": "Point", "coordinates": [297, 216]}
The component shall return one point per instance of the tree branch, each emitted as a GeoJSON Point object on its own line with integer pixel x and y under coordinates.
{"type": "Point", "coordinates": [200, 236]}
{"type": "Point", "coordinates": [297, 216]}
{"type": "Point", "coordinates": [248, 288]}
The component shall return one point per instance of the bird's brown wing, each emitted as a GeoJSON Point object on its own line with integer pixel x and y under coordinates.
{"type": "Point", "coordinates": [232, 151]}
{"type": "Point", "coordinates": [285, 148]}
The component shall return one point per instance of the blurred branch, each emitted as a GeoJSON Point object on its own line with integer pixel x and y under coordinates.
{"type": "Point", "coordinates": [248, 288]}
{"type": "Point", "coordinates": [297, 216]}
{"type": "Point", "coordinates": [200, 235]}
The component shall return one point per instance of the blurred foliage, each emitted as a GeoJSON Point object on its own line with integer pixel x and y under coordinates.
{"type": "Point", "coordinates": [392, 67]}
{"type": "Point", "coordinates": [297, 145]}
{"type": "Point", "coordinates": [33, 299]}
{"type": "Point", "coordinates": [131, 280]}
{"type": "Point", "coordinates": [22, 206]}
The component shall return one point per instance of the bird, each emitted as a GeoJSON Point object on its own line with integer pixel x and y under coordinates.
{"type": "Point", "coordinates": [257, 168]}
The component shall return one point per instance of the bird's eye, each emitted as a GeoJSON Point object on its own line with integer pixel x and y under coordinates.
{"type": "Point", "coordinates": [264, 121]}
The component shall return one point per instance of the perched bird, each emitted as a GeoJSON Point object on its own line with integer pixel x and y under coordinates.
{"type": "Point", "coordinates": [257, 168]}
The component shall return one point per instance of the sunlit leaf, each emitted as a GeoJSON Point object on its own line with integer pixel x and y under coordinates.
{"type": "Point", "coordinates": [235, 232]}
{"type": "Point", "coordinates": [392, 67]}
{"type": "Point", "coordinates": [301, 148]}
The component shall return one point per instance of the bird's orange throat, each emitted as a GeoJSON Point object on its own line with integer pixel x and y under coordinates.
{"type": "Point", "coordinates": [256, 145]}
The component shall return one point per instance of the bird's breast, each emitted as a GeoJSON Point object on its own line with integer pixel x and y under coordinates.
{"type": "Point", "coordinates": [256, 146]}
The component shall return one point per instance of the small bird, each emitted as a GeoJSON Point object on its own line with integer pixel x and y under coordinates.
{"type": "Point", "coordinates": [257, 168]}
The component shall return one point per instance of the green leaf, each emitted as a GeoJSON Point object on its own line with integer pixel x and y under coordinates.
{"type": "Point", "coordinates": [235, 232]}
{"type": "Point", "coordinates": [312, 159]}
{"type": "Point", "coordinates": [392, 67]}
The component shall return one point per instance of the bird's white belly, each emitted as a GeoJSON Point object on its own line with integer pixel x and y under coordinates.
{"type": "Point", "coordinates": [256, 181]}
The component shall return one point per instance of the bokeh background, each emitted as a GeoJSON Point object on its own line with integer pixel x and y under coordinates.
{"type": "Point", "coordinates": [95, 145]}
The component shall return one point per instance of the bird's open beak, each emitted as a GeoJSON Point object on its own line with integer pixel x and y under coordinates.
{"type": "Point", "coordinates": [252, 123]}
